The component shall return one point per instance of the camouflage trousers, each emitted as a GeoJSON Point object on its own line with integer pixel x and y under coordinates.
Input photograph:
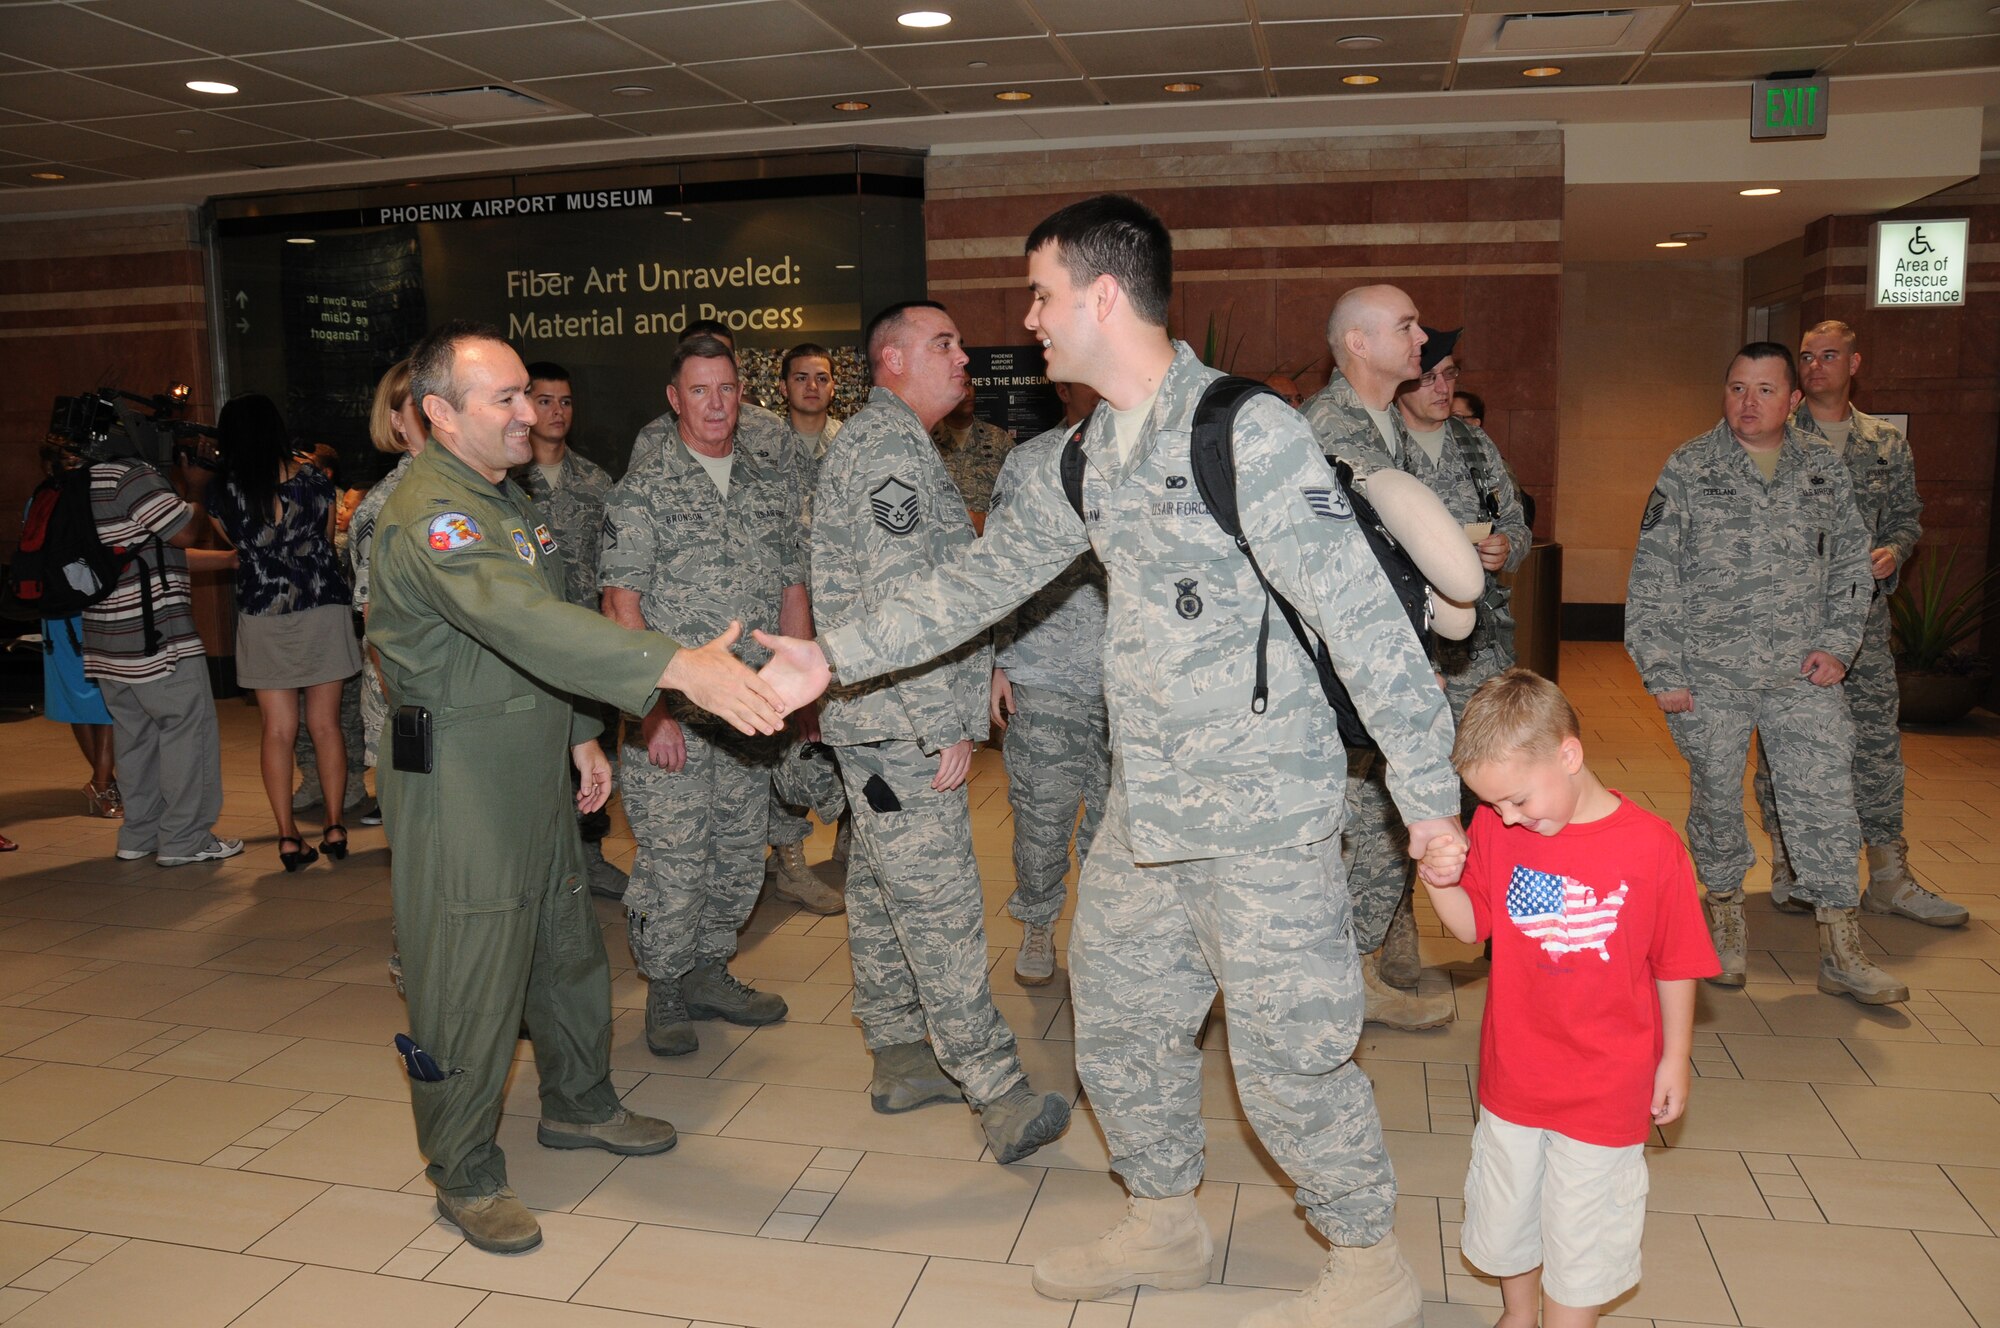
{"type": "Point", "coordinates": [1873, 703]}
{"type": "Point", "coordinates": [806, 780]}
{"type": "Point", "coordinates": [1809, 741]}
{"type": "Point", "coordinates": [915, 926]}
{"type": "Point", "coordinates": [1152, 943]}
{"type": "Point", "coordinates": [1058, 754]}
{"type": "Point", "coordinates": [700, 859]}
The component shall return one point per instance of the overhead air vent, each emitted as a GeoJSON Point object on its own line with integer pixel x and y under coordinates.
{"type": "Point", "coordinates": [1541, 34]}
{"type": "Point", "coordinates": [488, 103]}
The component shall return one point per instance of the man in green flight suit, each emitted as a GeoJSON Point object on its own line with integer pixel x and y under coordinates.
{"type": "Point", "coordinates": [495, 926]}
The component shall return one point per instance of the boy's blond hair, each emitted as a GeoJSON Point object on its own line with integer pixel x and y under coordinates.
{"type": "Point", "coordinates": [1515, 713]}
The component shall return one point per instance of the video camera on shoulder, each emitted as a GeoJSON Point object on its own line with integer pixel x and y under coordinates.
{"type": "Point", "coordinates": [112, 423]}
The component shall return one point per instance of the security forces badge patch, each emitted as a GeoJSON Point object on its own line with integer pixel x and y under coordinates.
{"type": "Point", "coordinates": [894, 504]}
{"type": "Point", "coordinates": [1186, 603]}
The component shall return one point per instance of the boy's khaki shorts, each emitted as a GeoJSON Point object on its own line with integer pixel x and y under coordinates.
{"type": "Point", "coordinates": [1535, 1198]}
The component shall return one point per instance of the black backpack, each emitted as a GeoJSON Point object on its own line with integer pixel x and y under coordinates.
{"type": "Point", "coordinates": [62, 567]}
{"type": "Point", "coordinates": [1212, 458]}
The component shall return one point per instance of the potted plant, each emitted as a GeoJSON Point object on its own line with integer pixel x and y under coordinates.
{"type": "Point", "coordinates": [1939, 675]}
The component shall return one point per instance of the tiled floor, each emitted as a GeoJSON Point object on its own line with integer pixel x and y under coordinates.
{"type": "Point", "coordinates": [201, 1122]}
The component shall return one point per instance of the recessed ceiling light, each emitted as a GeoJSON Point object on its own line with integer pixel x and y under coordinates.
{"type": "Point", "coordinates": [210, 86]}
{"type": "Point", "coordinates": [1360, 80]}
{"type": "Point", "coordinates": [850, 106]}
{"type": "Point", "coordinates": [1670, 244]}
{"type": "Point", "coordinates": [300, 239]}
{"type": "Point", "coordinates": [923, 18]}
{"type": "Point", "coordinates": [975, 64]}
{"type": "Point", "coordinates": [1764, 192]}
{"type": "Point", "coordinates": [185, 133]}
{"type": "Point", "coordinates": [843, 267]}
{"type": "Point", "coordinates": [1013, 94]}
{"type": "Point", "coordinates": [1181, 87]}
{"type": "Point", "coordinates": [46, 175]}
{"type": "Point", "coordinates": [631, 90]}
{"type": "Point", "coordinates": [1542, 71]}
{"type": "Point", "coordinates": [1360, 41]}
{"type": "Point", "coordinates": [1689, 235]}
{"type": "Point", "coordinates": [674, 212]}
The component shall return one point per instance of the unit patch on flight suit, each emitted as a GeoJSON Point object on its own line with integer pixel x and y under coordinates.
{"type": "Point", "coordinates": [453, 530]}
{"type": "Point", "coordinates": [522, 546]}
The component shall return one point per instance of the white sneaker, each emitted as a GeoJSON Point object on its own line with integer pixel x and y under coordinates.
{"type": "Point", "coordinates": [214, 851]}
{"type": "Point", "coordinates": [134, 854]}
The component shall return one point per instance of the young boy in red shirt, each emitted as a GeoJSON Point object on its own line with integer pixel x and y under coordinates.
{"type": "Point", "coordinates": [1598, 939]}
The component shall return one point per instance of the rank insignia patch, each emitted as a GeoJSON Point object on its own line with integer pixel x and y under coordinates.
{"type": "Point", "coordinates": [895, 506]}
{"type": "Point", "coordinates": [1330, 503]}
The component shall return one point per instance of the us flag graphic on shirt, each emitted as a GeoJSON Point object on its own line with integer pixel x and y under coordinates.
{"type": "Point", "coordinates": [1563, 913]}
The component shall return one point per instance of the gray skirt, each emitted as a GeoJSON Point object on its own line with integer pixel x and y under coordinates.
{"type": "Point", "coordinates": [280, 650]}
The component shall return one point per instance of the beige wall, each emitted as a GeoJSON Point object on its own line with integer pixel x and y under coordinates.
{"type": "Point", "coordinates": [1644, 347]}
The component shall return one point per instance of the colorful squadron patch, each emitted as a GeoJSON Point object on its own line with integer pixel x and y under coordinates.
{"type": "Point", "coordinates": [1329, 503]}
{"type": "Point", "coordinates": [546, 540]}
{"type": "Point", "coordinates": [453, 530]}
{"type": "Point", "coordinates": [523, 546]}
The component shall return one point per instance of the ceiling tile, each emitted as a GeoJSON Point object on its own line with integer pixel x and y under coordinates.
{"type": "Point", "coordinates": [1920, 57]}
{"type": "Point", "coordinates": [1173, 51]}
{"type": "Point", "coordinates": [235, 27]}
{"type": "Point", "coordinates": [697, 120]}
{"type": "Point", "coordinates": [341, 117]}
{"type": "Point", "coordinates": [613, 8]}
{"type": "Point", "coordinates": [357, 71]}
{"type": "Point", "coordinates": [547, 51]}
{"type": "Point", "coordinates": [1404, 41]}
{"type": "Point", "coordinates": [1393, 78]}
{"type": "Point", "coordinates": [254, 87]}
{"type": "Point", "coordinates": [1214, 87]}
{"type": "Point", "coordinates": [1770, 24]}
{"type": "Point", "coordinates": [419, 143]}
{"type": "Point", "coordinates": [56, 142]}
{"type": "Point", "coordinates": [827, 73]}
{"type": "Point", "coordinates": [59, 96]}
{"type": "Point", "coordinates": [881, 106]}
{"type": "Point", "coordinates": [730, 32]}
{"type": "Point", "coordinates": [72, 174]}
{"type": "Point", "coordinates": [977, 100]}
{"type": "Point", "coordinates": [947, 64]}
{"type": "Point", "coordinates": [539, 133]}
{"type": "Point", "coordinates": [1730, 66]}
{"type": "Point", "coordinates": [1066, 16]}
{"type": "Point", "coordinates": [9, 65]}
{"type": "Point", "coordinates": [161, 165]}
{"type": "Point", "coordinates": [402, 18]}
{"type": "Point", "coordinates": [1273, 11]}
{"type": "Point", "coordinates": [873, 22]}
{"type": "Point", "coordinates": [595, 93]}
{"type": "Point", "coordinates": [269, 156]}
{"type": "Point", "coordinates": [186, 131]}
{"type": "Point", "coordinates": [69, 37]}
{"type": "Point", "coordinates": [1577, 71]}
{"type": "Point", "coordinates": [1940, 18]}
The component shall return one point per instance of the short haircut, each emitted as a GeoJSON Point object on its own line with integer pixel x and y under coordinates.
{"type": "Point", "coordinates": [547, 371]}
{"type": "Point", "coordinates": [883, 327]}
{"type": "Point", "coordinates": [805, 350]}
{"type": "Point", "coordinates": [1833, 327]}
{"type": "Point", "coordinates": [1474, 401]}
{"type": "Point", "coordinates": [1117, 236]}
{"type": "Point", "coordinates": [1770, 350]}
{"type": "Point", "coordinates": [433, 362]}
{"type": "Point", "coordinates": [711, 327]}
{"type": "Point", "coordinates": [702, 347]}
{"type": "Point", "coordinates": [390, 394]}
{"type": "Point", "coordinates": [1515, 713]}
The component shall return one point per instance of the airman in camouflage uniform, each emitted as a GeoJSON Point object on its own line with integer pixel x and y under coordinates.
{"type": "Point", "coordinates": [1746, 595]}
{"type": "Point", "coordinates": [692, 556]}
{"type": "Point", "coordinates": [1885, 488]}
{"type": "Point", "coordinates": [973, 451]}
{"type": "Point", "coordinates": [885, 511]}
{"type": "Point", "coordinates": [1217, 861]}
{"type": "Point", "coordinates": [1049, 659]}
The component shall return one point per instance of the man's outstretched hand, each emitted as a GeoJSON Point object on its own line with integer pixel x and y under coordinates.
{"type": "Point", "coordinates": [714, 679]}
{"type": "Point", "coordinates": [797, 671]}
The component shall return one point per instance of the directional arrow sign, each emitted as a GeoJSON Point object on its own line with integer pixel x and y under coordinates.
{"type": "Point", "coordinates": [242, 299]}
{"type": "Point", "coordinates": [242, 325]}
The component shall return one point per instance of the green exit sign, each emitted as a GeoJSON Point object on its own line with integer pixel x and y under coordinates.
{"type": "Point", "coordinates": [1789, 107]}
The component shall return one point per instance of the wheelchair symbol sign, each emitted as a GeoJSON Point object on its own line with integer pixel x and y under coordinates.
{"type": "Point", "coordinates": [1918, 245]}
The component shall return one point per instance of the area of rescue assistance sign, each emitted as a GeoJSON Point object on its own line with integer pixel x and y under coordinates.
{"type": "Point", "coordinates": [1917, 263]}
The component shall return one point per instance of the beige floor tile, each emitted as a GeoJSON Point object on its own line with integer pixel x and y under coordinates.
{"type": "Point", "coordinates": [171, 1201]}
{"type": "Point", "coordinates": [350, 1012]}
{"type": "Point", "coordinates": [1401, 1098]}
{"type": "Point", "coordinates": [25, 1168]}
{"type": "Point", "coordinates": [349, 1227]}
{"type": "Point", "coordinates": [980, 1295]}
{"type": "Point", "coordinates": [782, 956]}
{"type": "Point", "coordinates": [284, 919]}
{"type": "Point", "coordinates": [1898, 936]}
{"type": "Point", "coordinates": [826, 1118]}
{"type": "Point", "coordinates": [1214, 1304]}
{"type": "Point", "coordinates": [339, 1298]}
{"type": "Point", "coordinates": [1432, 1164]}
{"type": "Point", "coordinates": [572, 1249]}
{"type": "Point", "coordinates": [1799, 1059]}
{"type": "Point", "coordinates": [314, 1065]}
{"type": "Point", "coordinates": [1916, 1195]}
{"type": "Point", "coordinates": [1980, 1013]}
{"type": "Point", "coordinates": [1921, 974]}
{"type": "Point", "coordinates": [1051, 1064]}
{"type": "Point", "coordinates": [23, 1246]}
{"type": "Point", "coordinates": [696, 1106]}
{"type": "Point", "coordinates": [1679, 1279]}
{"type": "Point", "coordinates": [367, 966]}
{"type": "Point", "coordinates": [217, 1054]}
{"type": "Point", "coordinates": [183, 1120]}
{"type": "Point", "coordinates": [1913, 1124]}
{"type": "Point", "coordinates": [1798, 1275]}
{"type": "Point", "coordinates": [1271, 1244]}
{"type": "Point", "coordinates": [715, 1184]}
{"type": "Point", "coordinates": [92, 1040]}
{"type": "Point", "coordinates": [928, 1205]}
{"type": "Point", "coordinates": [43, 1104]}
{"type": "Point", "coordinates": [804, 1055]}
{"type": "Point", "coordinates": [147, 945]}
{"type": "Point", "coordinates": [162, 1286]}
{"type": "Point", "coordinates": [359, 1142]}
{"type": "Point", "coordinates": [1457, 1041]}
{"type": "Point", "coordinates": [1720, 1010]}
{"type": "Point", "coordinates": [1971, 1265]}
{"type": "Point", "coordinates": [1074, 1206]}
{"type": "Point", "coordinates": [550, 1179]}
{"type": "Point", "coordinates": [127, 991]}
{"type": "Point", "coordinates": [18, 972]}
{"type": "Point", "coordinates": [719, 1041]}
{"type": "Point", "coordinates": [808, 1002]}
{"type": "Point", "coordinates": [1926, 1065]}
{"type": "Point", "coordinates": [1981, 1188]}
{"type": "Point", "coordinates": [20, 1026]}
{"type": "Point", "coordinates": [29, 936]}
{"type": "Point", "coordinates": [1701, 1180]}
{"type": "Point", "coordinates": [522, 1312]}
{"type": "Point", "coordinates": [244, 1002]}
{"type": "Point", "coordinates": [756, 1283]}
{"type": "Point", "coordinates": [1804, 1012]}
{"type": "Point", "coordinates": [1766, 1116]}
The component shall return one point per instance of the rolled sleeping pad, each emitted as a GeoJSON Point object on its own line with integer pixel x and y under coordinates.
{"type": "Point", "coordinates": [1435, 540]}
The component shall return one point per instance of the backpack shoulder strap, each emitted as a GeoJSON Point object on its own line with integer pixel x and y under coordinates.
{"type": "Point", "coordinates": [1473, 457]}
{"type": "Point", "coordinates": [1072, 467]}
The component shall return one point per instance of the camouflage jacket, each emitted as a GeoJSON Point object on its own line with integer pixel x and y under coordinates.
{"type": "Point", "coordinates": [700, 561]}
{"type": "Point", "coordinates": [807, 453]}
{"type": "Point", "coordinates": [754, 424]}
{"type": "Point", "coordinates": [1200, 775]}
{"type": "Point", "coordinates": [1884, 473]}
{"type": "Point", "coordinates": [974, 461]}
{"type": "Point", "coordinates": [1735, 581]}
{"type": "Point", "coordinates": [361, 529]}
{"type": "Point", "coordinates": [574, 511]}
{"type": "Point", "coordinates": [885, 513]}
{"type": "Point", "coordinates": [1056, 639]}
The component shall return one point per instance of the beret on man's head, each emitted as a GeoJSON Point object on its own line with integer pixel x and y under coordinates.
{"type": "Point", "coordinates": [1439, 345]}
